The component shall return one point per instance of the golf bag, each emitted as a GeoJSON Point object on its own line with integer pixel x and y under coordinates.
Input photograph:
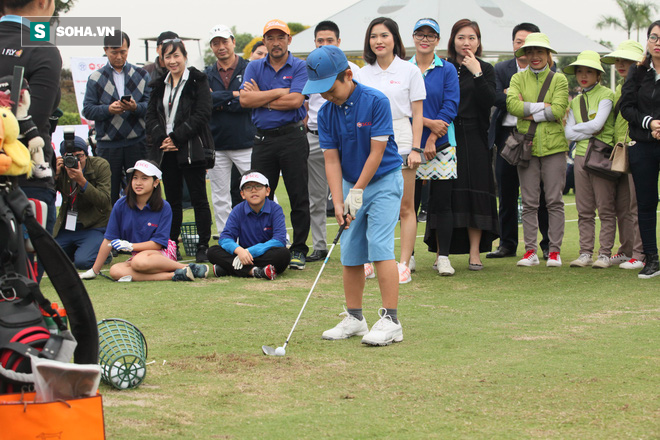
{"type": "Point", "coordinates": [23, 331]}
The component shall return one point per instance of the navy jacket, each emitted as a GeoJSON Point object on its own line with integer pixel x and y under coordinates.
{"type": "Point", "coordinates": [231, 124]}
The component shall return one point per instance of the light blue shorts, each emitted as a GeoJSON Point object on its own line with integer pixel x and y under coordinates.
{"type": "Point", "coordinates": [371, 235]}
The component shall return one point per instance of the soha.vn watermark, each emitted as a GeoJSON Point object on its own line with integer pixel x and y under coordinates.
{"type": "Point", "coordinates": [74, 31]}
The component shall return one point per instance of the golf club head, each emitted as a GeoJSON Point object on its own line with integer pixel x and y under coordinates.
{"type": "Point", "coordinates": [270, 351]}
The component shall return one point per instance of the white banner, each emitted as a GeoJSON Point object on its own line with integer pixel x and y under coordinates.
{"type": "Point", "coordinates": [81, 68]}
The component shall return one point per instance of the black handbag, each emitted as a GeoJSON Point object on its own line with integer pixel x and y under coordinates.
{"type": "Point", "coordinates": [517, 149]}
{"type": "Point", "coordinates": [597, 158]}
{"type": "Point", "coordinates": [201, 150]}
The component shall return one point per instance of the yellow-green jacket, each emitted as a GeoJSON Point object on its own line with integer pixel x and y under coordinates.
{"type": "Point", "coordinates": [593, 99]}
{"type": "Point", "coordinates": [549, 138]}
{"type": "Point", "coordinates": [620, 123]}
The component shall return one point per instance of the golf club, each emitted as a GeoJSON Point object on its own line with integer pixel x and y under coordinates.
{"type": "Point", "coordinates": [281, 351]}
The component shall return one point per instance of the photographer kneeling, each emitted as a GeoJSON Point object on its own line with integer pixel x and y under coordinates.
{"type": "Point", "coordinates": [84, 183]}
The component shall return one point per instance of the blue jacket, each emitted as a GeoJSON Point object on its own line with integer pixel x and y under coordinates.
{"type": "Point", "coordinates": [231, 124]}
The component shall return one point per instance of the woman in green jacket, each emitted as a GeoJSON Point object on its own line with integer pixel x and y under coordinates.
{"type": "Point", "coordinates": [630, 254]}
{"type": "Point", "coordinates": [548, 163]}
{"type": "Point", "coordinates": [590, 116]}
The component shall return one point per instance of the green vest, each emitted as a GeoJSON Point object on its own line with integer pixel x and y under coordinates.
{"type": "Point", "coordinates": [620, 123]}
{"type": "Point", "coordinates": [593, 98]}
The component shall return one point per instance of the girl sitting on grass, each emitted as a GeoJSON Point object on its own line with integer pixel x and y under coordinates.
{"type": "Point", "coordinates": [140, 223]}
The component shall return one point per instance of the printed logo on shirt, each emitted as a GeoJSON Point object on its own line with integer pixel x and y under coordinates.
{"type": "Point", "coordinates": [287, 77]}
{"type": "Point", "coordinates": [12, 52]}
{"type": "Point", "coordinates": [267, 228]}
{"type": "Point", "coordinates": [363, 124]}
{"type": "Point", "coordinates": [152, 224]}
{"type": "Point", "coordinates": [395, 82]}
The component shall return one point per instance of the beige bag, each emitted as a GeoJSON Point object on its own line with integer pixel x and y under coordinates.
{"type": "Point", "coordinates": [619, 156]}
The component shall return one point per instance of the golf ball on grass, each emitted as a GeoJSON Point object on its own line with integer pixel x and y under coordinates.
{"type": "Point", "coordinates": [279, 351]}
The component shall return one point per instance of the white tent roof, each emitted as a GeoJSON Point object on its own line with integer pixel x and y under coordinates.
{"type": "Point", "coordinates": [496, 20]}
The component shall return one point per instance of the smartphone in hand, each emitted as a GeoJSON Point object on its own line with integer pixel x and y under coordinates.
{"type": "Point", "coordinates": [126, 98]}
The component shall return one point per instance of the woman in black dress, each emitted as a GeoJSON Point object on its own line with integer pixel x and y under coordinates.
{"type": "Point", "coordinates": [473, 196]}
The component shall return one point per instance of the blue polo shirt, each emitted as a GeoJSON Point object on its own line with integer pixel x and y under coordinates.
{"type": "Point", "coordinates": [255, 231]}
{"type": "Point", "coordinates": [139, 225]}
{"type": "Point", "coordinates": [293, 75]}
{"type": "Point", "coordinates": [350, 127]}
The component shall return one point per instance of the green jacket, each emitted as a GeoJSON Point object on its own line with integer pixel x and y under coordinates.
{"type": "Point", "coordinates": [620, 123]}
{"type": "Point", "coordinates": [93, 205]}
{"type": "Point", "coordinates": [593, 98]}
{"type": "Point", "coordinates": [549, 138]}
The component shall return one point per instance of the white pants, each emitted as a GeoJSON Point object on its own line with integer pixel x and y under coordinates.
{"type": "Point", "coordinates": [220, 177]}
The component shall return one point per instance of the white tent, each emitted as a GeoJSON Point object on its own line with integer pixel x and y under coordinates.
{"type": "Point", "coordinates": [496, 20]}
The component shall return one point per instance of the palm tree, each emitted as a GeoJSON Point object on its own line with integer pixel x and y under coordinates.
{"type": "Point", "coordinates": [636, 15]}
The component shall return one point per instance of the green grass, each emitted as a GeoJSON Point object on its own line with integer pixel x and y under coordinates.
{"type": "Point", "coordinates": [503, 353]}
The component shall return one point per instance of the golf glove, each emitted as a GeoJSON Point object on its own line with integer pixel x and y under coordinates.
{"type": "Point", "coordinates": [121, 245]}
{"type": "Point", "coordinates": [353, 202]}
{"type": "Point", "coordinates": [237, 263]}
{"type": "Point", "coordinates": [89, 275]}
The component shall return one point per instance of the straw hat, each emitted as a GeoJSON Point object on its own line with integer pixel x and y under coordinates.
{"type": "Point", "coordinates": [588, 58]}
{"type": "Point", "coordinates": [628, 50]}
{"type": "Point", "coordinates": [536, 39]}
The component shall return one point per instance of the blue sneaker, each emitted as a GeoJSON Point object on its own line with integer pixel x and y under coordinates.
{"type": "Point", "coordinates": [183, 274]}
{"type": "Point", "coordinates": [297, 260]}
{"type": "Point", "coordinates": [199, 270]}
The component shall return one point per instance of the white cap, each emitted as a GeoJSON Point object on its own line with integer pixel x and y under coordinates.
{"type": "Point", "coordinates": [254, 177]}
{"type": "Point", "coordinates": [220, 30]}
{"type": "Point", "coordinates": [147, 168]}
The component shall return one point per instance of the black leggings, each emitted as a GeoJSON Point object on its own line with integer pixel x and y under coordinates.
{"type": "Point", "coordinates": [439, 220]}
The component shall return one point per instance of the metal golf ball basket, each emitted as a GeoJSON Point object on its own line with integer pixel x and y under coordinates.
{"type": "Point", "coordinates": [122, 353]}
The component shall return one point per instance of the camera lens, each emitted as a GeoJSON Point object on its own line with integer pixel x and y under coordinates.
{"type": "Point", "coordinates": [70, 161]}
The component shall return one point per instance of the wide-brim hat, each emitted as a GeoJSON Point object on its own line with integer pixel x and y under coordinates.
{"type": "Point", "coordinates": [323, 66]}
{"type": "Point", "coordinates": [627, 50]}
{"type": "Point", "coordinates": [536, 39]}
{"type": "Point", "coordinates": [587, 58]}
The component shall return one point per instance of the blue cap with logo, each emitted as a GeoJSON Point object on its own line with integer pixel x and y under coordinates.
{"type": "Point", "coordinates": [323, 66]}
{"type": "Point", "coordinates": [428, 22]}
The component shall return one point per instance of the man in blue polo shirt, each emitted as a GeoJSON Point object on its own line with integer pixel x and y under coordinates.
{"type": "Point", "coordinates": [272, 88]}
{"type": "Point", "coordinates": [363, 167]}
{"type": "Point", "coordinates": [252, 244]}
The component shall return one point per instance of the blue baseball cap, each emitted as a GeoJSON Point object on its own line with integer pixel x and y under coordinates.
{"type": "Point", "coordinates": [427, 22]}
{"type": "Point", "coordinates": [323, 66]}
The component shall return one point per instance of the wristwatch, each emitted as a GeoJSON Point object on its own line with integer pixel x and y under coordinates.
{"type": "Point", "coordinates": [478, 74]}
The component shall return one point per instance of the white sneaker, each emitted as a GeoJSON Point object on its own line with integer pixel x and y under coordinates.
{"type": "Point", "coordinates": [633, 263]}
{"type": "Point", "coordinates": [602, 262]}
{"type": "Point", "coordinates": [529, 259]}
{"type": "Point", "coordinates": [584, 260]}
{"type": "Point", "coordinates": [619, 258]}
{"type": "Point", "coordinates": [411, 263]}
{"type": "Point", "coordinates": [349, 326]}
{"type": "Point", "coordinates": [554, 260]}
{"type": "Point", "coordinates": [369, 271]}
{"type": "Point", "coordinates": [384, 331]}
{"type": "Point", "coordinates": [404, 273]}
{"type": "Point", "coordinates": [444, 267]}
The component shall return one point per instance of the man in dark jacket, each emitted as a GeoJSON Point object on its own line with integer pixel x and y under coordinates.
{"type": "Point", "coordinates": [501, 126]}
{"type": "Point", "coordinates": [231, 124]}
{"type": "Point", "coordinates": [86, 206]}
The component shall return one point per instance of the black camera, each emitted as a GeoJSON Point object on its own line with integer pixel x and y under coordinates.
{"type": "Point", "coordinates": [70, 161]}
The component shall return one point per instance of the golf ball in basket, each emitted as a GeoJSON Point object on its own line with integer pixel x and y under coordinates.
{"type": "Point", "coordinates": [280, 351]}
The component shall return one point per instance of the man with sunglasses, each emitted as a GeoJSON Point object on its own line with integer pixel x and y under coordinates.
{"type": "Point", "coordinates": [85, 210]}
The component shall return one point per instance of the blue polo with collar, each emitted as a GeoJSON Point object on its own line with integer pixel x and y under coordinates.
{"type": "Point", "coordinates": [442, 95]}
{"type": "Point", "coordinates": [255, 231]}
{"type": "Point", "coordinates": [349, 128]}
{"type": "Point", "coordinates": [293, 75]}
{"type": "Point", "coordinates": [139, 225]}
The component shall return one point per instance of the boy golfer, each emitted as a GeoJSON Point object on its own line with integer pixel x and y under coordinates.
{"type": "Point", "coordinates": [252, 243]}
{"type": "Point", "coordinates": [364, 174]}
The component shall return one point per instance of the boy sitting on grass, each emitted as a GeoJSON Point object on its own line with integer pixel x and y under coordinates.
{"type": "Point", "coordinates": [361, 158]}
{"type": "Point", "coordinates": [253, 242]}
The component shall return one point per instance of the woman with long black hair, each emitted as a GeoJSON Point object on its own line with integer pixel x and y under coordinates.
{"type": "Point", "coordinates": [179, 111]}
{"type": "Point", "coordinates": [640, 105]}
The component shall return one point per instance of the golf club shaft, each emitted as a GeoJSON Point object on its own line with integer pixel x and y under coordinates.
{"type": "Point", "coordinates": [334, 243]}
